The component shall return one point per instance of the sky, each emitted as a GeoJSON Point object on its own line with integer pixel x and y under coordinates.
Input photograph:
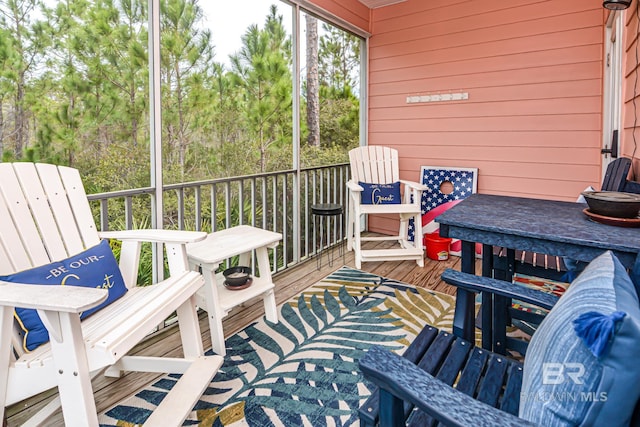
{"type": "Point", "coordinates": [228, 21]}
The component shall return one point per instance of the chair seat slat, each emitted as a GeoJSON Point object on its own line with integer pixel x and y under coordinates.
{"type": "Point", "coordinates": [420, 344]}
{"type": "Point", "coordinates": [457, 356]}
{"type": "Point", "coordinates": [415, 352]}
{"type": "Point", "coordinates": [437, 352]}
{"type": "Point", "coordinates": [511, 399]}
{"type": "Point", "coordinates": [419, 419]}
{"type": "Point", "coordinates": [493, 380]}
{"type": "Point", "coordinates": [472, 372]}
{"type": "Point", "coordinates": [454, 362]}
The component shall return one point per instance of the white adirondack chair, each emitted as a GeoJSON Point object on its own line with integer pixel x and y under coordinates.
{"type": "Point", "coordinates": [45, 217]}
{"type": "Point", "coordinates": [379, 165]}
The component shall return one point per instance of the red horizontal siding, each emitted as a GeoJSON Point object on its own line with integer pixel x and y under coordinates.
{"type": "Point", "coordinates": [516, 80]}
{"type": "Point", "coordinates": [533, 73]}
{"type": "Point", "coordinates": [473, 15]}
{"type": "Point", "coordinates": [462, 67]}
{"type": "Point", "coordinates": [512, 50]}
{"type": "Point", "coordinates": [351, 11]}
{"type": "Point", "coordinates": [555, 158]}
{"type": "Point", "coordinates": [538, 139]}
{"type": "Point", "coordinates": [531, 123]}
{"type": "Point", "coordinates": [440, 34]}
{"type": "Point", "coordinates": [544, 92]}
{"type": "Point", "coordinates": [527, 107]}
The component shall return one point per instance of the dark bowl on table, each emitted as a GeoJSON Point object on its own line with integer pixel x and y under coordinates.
{"type": "Point", "coordinates": [237, 276]}
{"type": "Point", "coordinates": [613, 203]}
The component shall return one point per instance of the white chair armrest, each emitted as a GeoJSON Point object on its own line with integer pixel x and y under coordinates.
{"type": "Point", "coordinates": [174, 240]}
{"type": "Point", "coordinates": [415, 185]}
{"type": "Point", "coordinates": [71, 299]}
{"type": "Point", "coordinates": [354, 186]}
{"type": "Point", "coordinates": [155, 235]}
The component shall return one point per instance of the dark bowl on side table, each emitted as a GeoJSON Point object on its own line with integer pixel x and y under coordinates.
{"type": "Point", "coordinates": [613, 203]}
{"type": "Point", "coordinates": [237, 276]}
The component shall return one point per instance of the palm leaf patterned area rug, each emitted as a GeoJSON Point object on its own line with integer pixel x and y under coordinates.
{"type": "Point", "coordinates": [303, 371]}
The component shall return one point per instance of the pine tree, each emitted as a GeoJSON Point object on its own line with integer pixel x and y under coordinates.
{"type": "Point", "coordinates": [262, 69]}
{"type": "Point", "coordinates": [313, 83]}
{"type": "Point", "coordinates": [23, 50]}
{"type": "Point", "coordinates": [186, 53]}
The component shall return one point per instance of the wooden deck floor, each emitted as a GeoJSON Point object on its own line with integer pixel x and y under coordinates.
{"type": "Point", "coordinates": [288, 283]}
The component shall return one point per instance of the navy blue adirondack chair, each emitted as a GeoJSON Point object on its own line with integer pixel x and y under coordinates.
{"type": "Point", "coordinates": [590, 332]}
{"type": "Point", "coordinates": [495, 379]}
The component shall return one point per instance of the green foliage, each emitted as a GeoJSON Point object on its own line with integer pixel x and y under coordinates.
{"type": "Point", "coordinates": [7, 156]}
{"type": "Point", "coordinates": [339, 118]}
{"type": "Point", "coordinates": [322, 156]}
{"type": "Point", "coordinates": [186, 52]}
{"type": "Point", "coordinates": [74, 90]}
{"type": "Point", "coordinates": [261, 69]}
{"type": "Point", "coordinates": [339, 59]}
{"type": "Point", "coordinates": [106, 171]}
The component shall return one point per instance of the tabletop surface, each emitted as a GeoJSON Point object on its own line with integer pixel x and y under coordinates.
{"type": "Point", "coordinates": [232, 241]}
{"type": "Point", "coordinates": [536, 218]}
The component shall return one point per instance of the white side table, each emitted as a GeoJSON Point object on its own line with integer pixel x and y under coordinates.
{"type": "Point", "coordinates": [214, 297]}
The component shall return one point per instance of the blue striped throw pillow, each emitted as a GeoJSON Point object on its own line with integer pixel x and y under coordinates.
{"type": "Point", "coordinates": [581, 366]}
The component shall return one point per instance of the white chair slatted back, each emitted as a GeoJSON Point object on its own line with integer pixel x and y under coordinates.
{"type": "Point", "coordinates": [13, 254]}
{"type": "Point", "coordinates": [60, 209]}
{"type": "Point", "coordinates": [357, 165]}
{"type": "Point", "coordinates": [19, 235]}
{"type": "Point", "coordinates": [41, 212]}
{"type": "Point", "coordinates": [77, 199]}
{"type": "Point", "coordinates": [374, 165]}
{"type": "Point", "coordinates": [43, 224]}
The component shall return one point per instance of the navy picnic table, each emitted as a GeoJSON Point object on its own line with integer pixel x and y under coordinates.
{"type": "Point", "coordinates": [536, 225]}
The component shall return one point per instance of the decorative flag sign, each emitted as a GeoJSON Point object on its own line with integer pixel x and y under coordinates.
{"type": "Point", "coordinates": [447, 187]}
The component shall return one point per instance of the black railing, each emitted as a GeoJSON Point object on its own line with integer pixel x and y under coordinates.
{"type": "Point", "coordinates": [277, 201]}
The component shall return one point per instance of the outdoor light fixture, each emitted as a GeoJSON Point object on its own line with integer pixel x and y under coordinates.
{"type": "Point", "coordinates": [616, 4]}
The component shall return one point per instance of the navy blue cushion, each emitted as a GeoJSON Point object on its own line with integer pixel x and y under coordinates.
{"type": "Point", "coordinates": [96, 268]}
{"type": "Point", "coordinates": [581, 366]}
{"type": "Point", "coordinates": [380, 194]}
